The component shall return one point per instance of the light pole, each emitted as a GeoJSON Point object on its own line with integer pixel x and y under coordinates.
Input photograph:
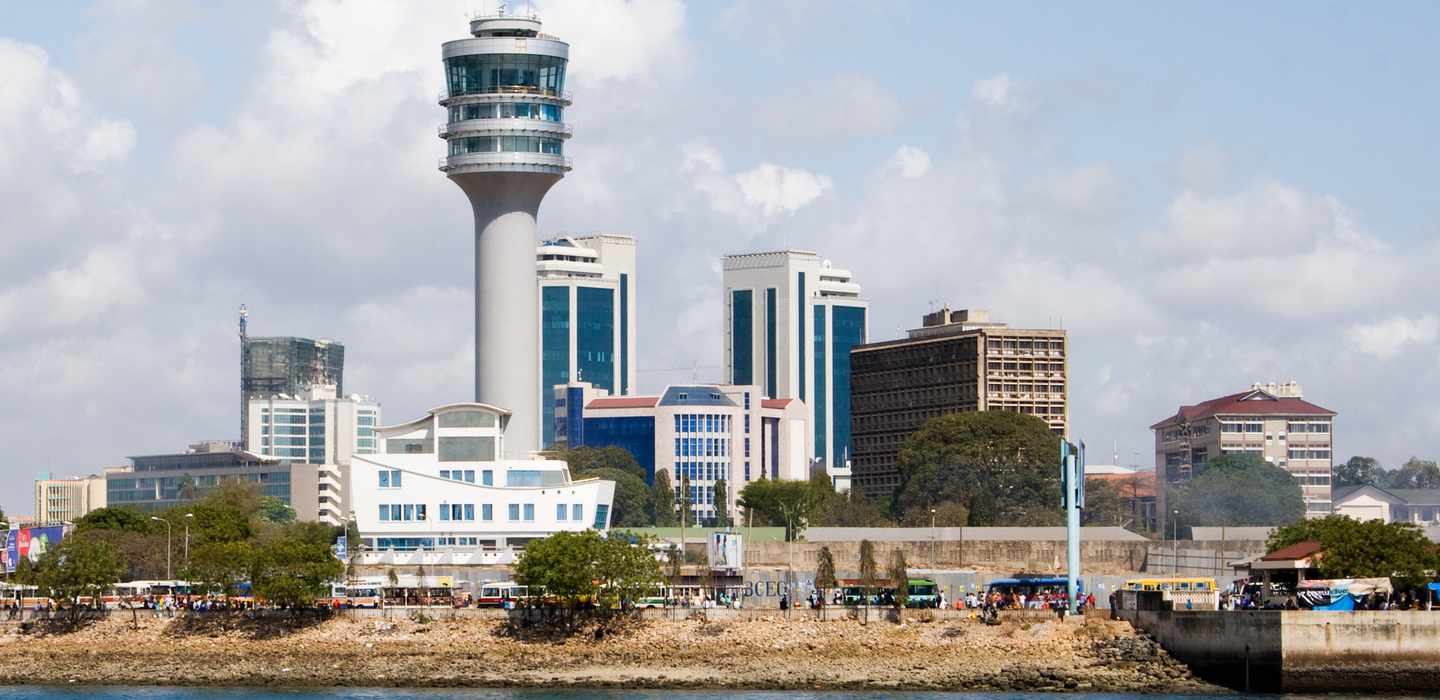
{"type": "Point", "coordinates": [789, 558]}
{"type": "Point", "coordinates": [167, 545]}
{"type": "Point", "coordinates": [188, 517]}
{"type": "Point", "coordinates": [1175, 541]}
{"type": "Point", "coordinates": [932, 538]}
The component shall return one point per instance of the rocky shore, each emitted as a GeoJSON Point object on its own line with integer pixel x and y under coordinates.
{"type": "Point", "coordinates": [765, 653]}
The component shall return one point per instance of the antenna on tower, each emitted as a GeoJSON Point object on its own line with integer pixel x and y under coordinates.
{"type": "Point", "coordinates": [244, 316]}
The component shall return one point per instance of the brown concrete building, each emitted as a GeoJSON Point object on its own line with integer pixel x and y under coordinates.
{"type": "Point", "coordinates": [1270, 421]}
{"type": "Point", "coordinates": [956, 361]}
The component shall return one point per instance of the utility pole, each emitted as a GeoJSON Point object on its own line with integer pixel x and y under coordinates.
{"type": "Point", "coordinates": [1072, 498]}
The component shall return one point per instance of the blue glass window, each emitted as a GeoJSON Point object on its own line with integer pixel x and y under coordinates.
{"type": "Point", "coordinates": [602, 515]}
{"type": "Point", "coordinates": [469, 511]}
{"type": "Point", "coordinates": [508, 73]}
{"type": "Point", "coordinates": [487, 511]}
{"type": "Point", "coordinates": [821, 430]}
{"type": "Point", "coordinates": [595, 336]}
{"type": "Point", "coordinates": [514, 511]}
{"type": "Point", "coordinates": [560, 511]}
{"type": "Point", "coordinates": [770, 358]}
{"type": "Point", "coordinates": [384, 513]}
{"type": "Point", "coordinates": [624, 333]}
{"type": "Point", "coordinates": [444, 512]}
{"type": "Point", "coordinates": [848, 331]}
{"type": "Point", "coordinates": [742, 338]}
{"type": "Point", "coordinates": [529, 511]}
{"type": "Point", "coordinates": [554, 353]}
{"type": "Point", "coordinates": [487, 477]}
{"type": "Point", "coordinates": [577, 512]}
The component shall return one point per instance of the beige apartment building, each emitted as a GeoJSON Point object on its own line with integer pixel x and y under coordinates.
{"type": "Point", "coordinates": [956, 361]}
{"type": "Point", "coordinates": [1271, 421]}
{"type": "Point", "coordinates": [61, 500]}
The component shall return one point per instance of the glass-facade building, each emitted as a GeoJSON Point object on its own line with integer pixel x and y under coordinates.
{"type": "Point", "coordinates": [287, 365]}
{"type": "Point", "coordinates": [158, 482]}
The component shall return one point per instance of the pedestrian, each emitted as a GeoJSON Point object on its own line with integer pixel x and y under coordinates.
{"type": "Point", "coordinates": [784, 602]}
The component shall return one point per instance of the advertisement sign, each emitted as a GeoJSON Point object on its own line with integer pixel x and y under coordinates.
{"type": "Point", "coordinates": [725, 551]}
{"type": "Point", "coordinates": [30, 543]}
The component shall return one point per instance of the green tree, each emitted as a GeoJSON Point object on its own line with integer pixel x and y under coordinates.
{"type": "Point", "coordinates": [1239, 490]}
{"type": "Point", "coordinates": [722, 503]}
{"type": "Point", "coordinates": [1358, 471]}
{"type": "Point", "coordinates": [1106, 505]}
{"type": "Point", "coordinates": [116, 519]}
{"type": "Point", "coordinates": [292, 572]}
{"type": "Point", "coordinates": [1364, 549]}
{"type": "Point", "coordinates": [824, 572]}
{"type": "Point", "coordinates": [272, 509]}
{"type": "Point", "coordinates": [867, 571]}
{"type": "Point", "coordinates": [79, 566]}
{"type": "Point", "coordinates": [947, 514]}
{"type": "Point", "coordinates": [627, 571]}
{"type": "Point", "coordinates": [631, 506]}
{"type": "Point", "coordinates": [590, 459]}
{"type": "Point", "coordinates": [899, 573]}
{"type": "Point", "coordinates": [1415, 474]}
{"type": "Point", "coordinates": [792, 504]}
{"type": "Point", "coordinates": [686, 506]}
{"type": "Point", "coordinates": [852, 509]}
{"type": "Point", "coordinates": [219, 567]}
{"type": "Point", "coordinates": [662, 501]}
{"type": "Point", "coordinates": [1002, 467]}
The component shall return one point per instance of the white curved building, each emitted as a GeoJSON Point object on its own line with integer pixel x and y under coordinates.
{"type": "Point", "coordinates": [438, 483]}
{"type": "Point", "coordinates": [505, 136]}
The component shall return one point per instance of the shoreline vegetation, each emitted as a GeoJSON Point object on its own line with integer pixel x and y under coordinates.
{"type": "Point", "coordinates": [764, 653]}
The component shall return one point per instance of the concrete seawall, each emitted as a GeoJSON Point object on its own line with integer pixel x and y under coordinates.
{"type": "Point", "coordinates": [1302, 651]}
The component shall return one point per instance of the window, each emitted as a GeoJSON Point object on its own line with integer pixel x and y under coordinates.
{"type": "Point", "coordinates": [467, 449]}
{"type": "Point", "coordinates": [409, 511]}
{"type": "Point", "coordinates": [554, 351]}
{"type": "Point", "coordinates": [470, 511]}
{"type": "Point", "coordinates": [595, 336]}
{"type": "Point", "coordinates": [487, 477]}
{"type": "Point", "coordinates": [577, 512]}
{"type": "Point", "coordinates": [466, 419]}
{"type": "Point", "coordinates": [529, 512]}
{"type": "Point", "coordinates": [384, 513]}
{"type": "Point", "coordinates": [602, 514]}
{"type": "Point", "coordinates": [444, 473]}
{"type": "Point", "coordinates": [487, 512]}
{"type": "Point", "coordinates": [560, 511]}
{"type": "Point", "coordinates": [407, 447]}
{"type": "Point", "coordinates": [514, 511]}
{"type": "Point", "coordinates": [389, 478]}
{"type": "Point", "coordinates": [469, 476]}
{"type": "Point", "coordinates": [444, 512]}
{"type": "Point", "coordinates": [742, 338]}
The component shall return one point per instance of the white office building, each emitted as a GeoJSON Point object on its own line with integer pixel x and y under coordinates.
{"type": "Point", "coordinates": [61, 500]}
{"type": "Point", "coordinates": [706, 433]}
{"type": "Point", "coordinates": [438, 484]}
{"type": "Point", "coordinates": [587, 317]}
{"type": "Point", "coordinates": [791, 319]}
{"type": "Point", "coordinates": [315, 431]}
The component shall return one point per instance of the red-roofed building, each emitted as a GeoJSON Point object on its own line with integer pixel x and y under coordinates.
{"type": "Point", "coordinates": [1271, 421]}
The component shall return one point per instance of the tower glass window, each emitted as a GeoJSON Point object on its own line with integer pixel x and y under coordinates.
{"type": "Point", "coordinates": [770, 351]}
{"type": "Point", "coordinates": [554, 353]}
{"type": "Point", "coordinates": [742, 337]}
{"type": "Point", "coordinates": [848, 331]}
{"type": "Point", "coordinates": [595, 336]}
{"type": "Point", "coordinates": [507, 73]}
{"type": "Point", "coordinates": [820, 426]}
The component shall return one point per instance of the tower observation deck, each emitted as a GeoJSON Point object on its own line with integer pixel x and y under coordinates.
{"type": "Point", "coordinates": [505, 136]}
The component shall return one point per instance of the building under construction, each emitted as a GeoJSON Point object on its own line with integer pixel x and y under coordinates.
{"type": "Point", "coordinates": [286, 365]}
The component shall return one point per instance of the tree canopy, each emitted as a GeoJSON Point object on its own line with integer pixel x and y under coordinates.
{"type": "Point", "coordinates": [662, 501]}
{"type": "Point", "coordinates": [576, 565]}
{"type": "Point", "coordinates": [1358, 471]}
{"type": "Point", "coordinates": [792, 504]}
{"type": "Point", "coordinates": [1363, 549]}
{"type": "Point", "coordinates": [631, 506]}
{"type": "Point", "coordinates": [1239, 490]}
{"type": "Point", "coordinates": [78, 566]}
{"type": "Point", "coordinates": [1002, 467]}
{"type": "Point", "coordinates": [589, 459]}
{"type": "Point", "coordinates": [1415, 474]}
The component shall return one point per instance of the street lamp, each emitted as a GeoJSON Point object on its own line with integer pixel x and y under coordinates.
{"type": "Point", "coordinates": [167, 545]}
{"type": "Point", "coordinates": [188, 517]}
{"type": "Point", "coordinates": [932, 537]}
{"type": "Point", "coordinates": [1175, 541]}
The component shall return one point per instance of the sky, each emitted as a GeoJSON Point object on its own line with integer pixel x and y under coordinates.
{"type": "Point", "coordinates": [1203, 197]}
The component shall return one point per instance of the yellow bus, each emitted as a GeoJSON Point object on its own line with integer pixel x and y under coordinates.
{"type": "Point", "coordinates": [1174, 583]}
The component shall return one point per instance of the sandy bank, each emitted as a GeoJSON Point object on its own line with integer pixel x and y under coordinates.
{"type": "Point", "coordinates": [767, 653]}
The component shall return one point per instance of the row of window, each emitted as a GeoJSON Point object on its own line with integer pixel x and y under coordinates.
{"type": "Point", "coordinates": [699, 495]}
{"type": "Point", "coordinates": [1323, 453]}
{"type": "Point", "coordinates": [701, 423]}
{"type": "Point", "coordinates": [1242, 427]}
{"type": "Point", "coordinates": [701, 471]}
{"type": "Point", "coordinates": [1317, 427]}
{"type": "Point", "coordinates": [1025, 344]}
{"type": "Point", "coordinates": [1026, 366]}
{"type": "Point", "coordinates": [703, 447]}
{"type": "Point", "coordinates": [1026, 388]}
{"type": "Point", "coordinates": [461, 512]}
{"type": "Point", "coordinates": [506, 144]}
{"type": "Point", "coordinates": [393, 478]}
{"type": "Point", "coordinates": [506, 110]}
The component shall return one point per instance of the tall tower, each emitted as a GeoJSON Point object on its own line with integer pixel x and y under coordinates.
{"type": "Point", "coordinates": [505, 92]}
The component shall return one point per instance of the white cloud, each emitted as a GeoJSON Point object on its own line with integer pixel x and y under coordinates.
{"type": "Point", "coordinates": [1084, 187]}
{"type": "Point", "coordinates": [911, 162]}
{"type": "Point", "coordinates": [845, 106]}
{"type": "Point", "coordinates": [1387, 338]}
{"type": "Point", "coordinates": [778, 190]}
{"type": "Point", "coordinates": [998, 92]}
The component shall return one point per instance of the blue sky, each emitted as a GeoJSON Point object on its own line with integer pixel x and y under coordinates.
{"type": "Point", "coordinates": [1207, 196]}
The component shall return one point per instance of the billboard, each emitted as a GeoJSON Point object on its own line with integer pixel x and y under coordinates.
{"type": "Point", "coordinates": [30, 543]}
{"type": "Point", "coordinates": [725, 551]}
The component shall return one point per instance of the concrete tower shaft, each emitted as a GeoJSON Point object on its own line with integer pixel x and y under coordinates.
{"type": "Point", "coordinates": [505, 138]}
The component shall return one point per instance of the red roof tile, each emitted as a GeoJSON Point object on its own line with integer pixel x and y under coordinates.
{"type": "Point", "coordinates": [1295, 552]}
{"type": "Point", "coordinates": [775, 403]}
{"type": "Point", "coordinates": [624, 402]}
{"type": "Point", "coordinates": [1139, 484]}
{"type": "Point", "coordinates": [1247, 403]}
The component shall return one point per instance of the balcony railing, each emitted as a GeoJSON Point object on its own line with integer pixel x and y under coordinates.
{"type": "Point", "coordinates": [513, 161]}
{"type": "Point", "coordinates": [510, 124]}
{"type": "Point", "coordinates": [521, 90]}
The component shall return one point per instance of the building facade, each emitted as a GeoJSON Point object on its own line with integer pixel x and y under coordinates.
{"type": "Point", "coordinates": [285, 366]}
{"type": "Point", "coordinates": [157, 482]}
{"type": "Point", "coordinates": [706, 433]}
{"type": "Point", "coordinates": [1369, 502]}
{"type": "Point", "coordinates": [440, 483]}
{"type": "Point", "coordinates": [314, 427]}
{"type": "Point", "coordinates": [505, 141]}
{"type": "Point", "coordinates": [791, 319]}
{"type": "Point", "coordinates": [956, 361]}
{"type": "Point", "coordinates": [1271, 421]}
{"type": "Point", "coordinates": [61, 500]}
{"type": "Point", "coordinates": [587, 317]}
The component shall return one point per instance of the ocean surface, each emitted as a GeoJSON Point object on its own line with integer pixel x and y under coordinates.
{"type": "Point", "coordinates": [128, 693]}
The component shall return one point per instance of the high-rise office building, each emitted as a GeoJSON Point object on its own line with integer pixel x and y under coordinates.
{"type": "Point", "coordinates": [315, 427]}
{"type": "Point", "coordinates": [1271, 421]}
{"type": "Point", "coordinates": [956, 361]}
{"type": "Point", "coordinates": [791, 319]}
{"type": "Point", "coordinates": [505, 135]}
{"type": "Point", "coordinates": [587, 317]}
{"type": "Point", "coordinates": [286, 366]}
{"type": "Point", "coordinates": [61, 500]}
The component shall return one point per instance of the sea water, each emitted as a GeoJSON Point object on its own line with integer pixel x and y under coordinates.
{"type": "Point", "coordinates": [168, 693]}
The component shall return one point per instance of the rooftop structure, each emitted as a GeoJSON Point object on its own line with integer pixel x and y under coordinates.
{"type": "Point", "coordinates": [285, 365]}
{"type": "Point", "coordinates": [505, 97]}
